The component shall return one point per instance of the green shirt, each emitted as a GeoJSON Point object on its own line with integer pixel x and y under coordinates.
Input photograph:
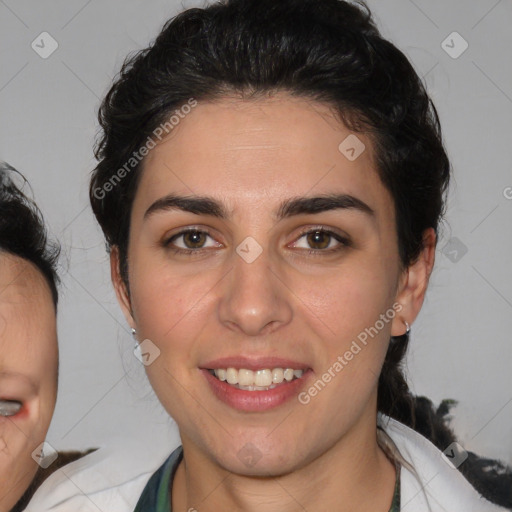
{"type": "Point", "coordinates": [156, 496]}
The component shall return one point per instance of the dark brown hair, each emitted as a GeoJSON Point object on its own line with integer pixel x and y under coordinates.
{"type": "Point", "coordinates": [22, 229]}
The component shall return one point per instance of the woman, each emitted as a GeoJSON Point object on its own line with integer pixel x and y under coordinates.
{"type": "Point", "coordinates": [28, 346]}
{"type": "Point", "coordinates": [271, 179]}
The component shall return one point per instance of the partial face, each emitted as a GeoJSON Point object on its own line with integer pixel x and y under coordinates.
{"type": "Point", "coordinates": [268, 281]}
{"type": "Point", "coordinates": [28, 372]}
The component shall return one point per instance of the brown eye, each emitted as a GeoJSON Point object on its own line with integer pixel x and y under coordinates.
{"type": "Point", "coordinates": [319, 239]}
{"type": "Point", "coordinates": [190, 241]}
{"type": "Point", "coordinates": [194, 239]}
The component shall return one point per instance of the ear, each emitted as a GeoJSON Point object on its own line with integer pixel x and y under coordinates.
{"type": "Point", "coordinates": [413, 284]}
{"type": "Point", "coordinates": [123, 297]}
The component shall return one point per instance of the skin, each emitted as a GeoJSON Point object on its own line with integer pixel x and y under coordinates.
{"type": "Point", "coordinates": [28, 366]}
{"type": "Point", "coordinates": [251, 156]}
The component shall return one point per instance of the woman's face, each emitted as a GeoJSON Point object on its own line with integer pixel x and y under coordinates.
{"type": "Point", "coordinates": [28, 371]}
{"type": "Point", "coordinates": [251, 289]}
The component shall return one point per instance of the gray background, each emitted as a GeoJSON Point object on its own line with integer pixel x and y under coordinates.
{"type": "Point", "coordinates": [461, 344]}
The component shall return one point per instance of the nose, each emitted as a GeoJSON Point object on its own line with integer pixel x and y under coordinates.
{"type": "Point", "coordinates": [255, 299]}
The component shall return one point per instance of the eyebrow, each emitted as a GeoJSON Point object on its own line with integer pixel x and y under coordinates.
{"type": "Point", "coordinates": [201, 205]}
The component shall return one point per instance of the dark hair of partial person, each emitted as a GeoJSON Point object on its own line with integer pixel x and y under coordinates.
{"type": "Point", "coordinates": [22, 228]}
{"type": "Point", "coordinates": [328, 51]}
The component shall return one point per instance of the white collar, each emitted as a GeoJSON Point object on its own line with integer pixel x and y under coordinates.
{"type": "Point", "coordinates": [428, 483]}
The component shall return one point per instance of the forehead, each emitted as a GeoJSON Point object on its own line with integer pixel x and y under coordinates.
{"type": "Point", "coordinates": [250, 151]}
{"type": "Point", "coordinates": [23, 289]}
{"type": "Point", "coordinates": [28, 325]}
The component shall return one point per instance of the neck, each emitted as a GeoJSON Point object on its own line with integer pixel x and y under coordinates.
{"type": "Point", "coordinates": [354, 474]}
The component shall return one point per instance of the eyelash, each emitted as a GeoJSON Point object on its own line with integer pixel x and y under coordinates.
{"type": "Point", "coordinates": [343, 242]}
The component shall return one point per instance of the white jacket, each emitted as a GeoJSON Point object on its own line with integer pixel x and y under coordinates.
{"type": "Point", "coordinates": [437, 485]}
{"type": "Point", "coordinates": [112, 479]}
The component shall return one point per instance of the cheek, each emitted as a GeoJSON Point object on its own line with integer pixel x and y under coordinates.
{"type": "Point", "coordinates": [50, 382]}
{"type": "Point", "coordinates": [344, 301]}
{"type": "Point", "coordinates": [43, 366]}
{"type": "Point", "coordinates": [170, 311]}
{"type": "Point", "coordinates": [44, 354]}
{"type": "Point", "coordinates": [166, 304]}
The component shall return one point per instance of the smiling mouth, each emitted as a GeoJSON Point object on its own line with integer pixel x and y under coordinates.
{"type": "Point", "coordinates": [259, 380]}
{"type": "Point", "coordinates": [10, 408]}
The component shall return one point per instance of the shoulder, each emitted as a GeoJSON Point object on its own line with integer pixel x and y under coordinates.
{"type": "Point", "coordinates": [111, 478]}
{"type": "Point", "coordinates": [428, 481]}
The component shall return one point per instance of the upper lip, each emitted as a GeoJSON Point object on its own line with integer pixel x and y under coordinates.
{"type": "Point", "coordinates": [254, 363]}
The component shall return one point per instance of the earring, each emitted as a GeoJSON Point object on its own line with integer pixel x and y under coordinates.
{"type": "Point", "coordinates": [407, 327]}
{"type": "Point", "coordinates": [134, 335]}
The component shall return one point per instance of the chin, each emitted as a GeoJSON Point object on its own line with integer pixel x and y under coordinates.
{"type": "Point", "coordinates": [263, 467]}
{"type": "Point", "coordinates": [262, 459]}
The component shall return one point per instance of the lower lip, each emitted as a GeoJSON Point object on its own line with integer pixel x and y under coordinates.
{"type": "Point", "coordinates": [255, 401]}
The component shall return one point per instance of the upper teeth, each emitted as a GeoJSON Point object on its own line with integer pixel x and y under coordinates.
{"type": "Point", "coordinates": [260, 378]}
